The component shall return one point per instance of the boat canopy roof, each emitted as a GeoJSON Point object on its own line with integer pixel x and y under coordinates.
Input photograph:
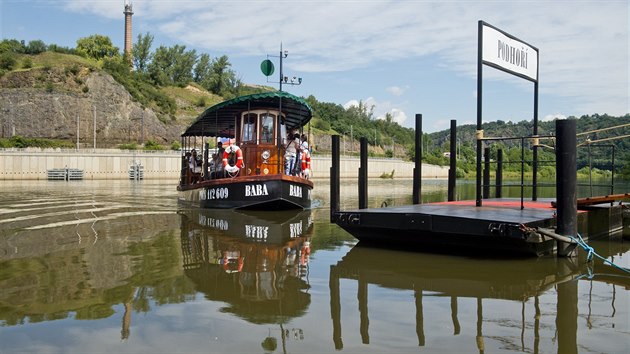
{"type": "Point", "coordinates": [220, 119]}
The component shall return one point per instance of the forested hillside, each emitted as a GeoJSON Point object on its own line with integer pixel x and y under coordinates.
{"type": "Point", "coordinates": [170, 86]}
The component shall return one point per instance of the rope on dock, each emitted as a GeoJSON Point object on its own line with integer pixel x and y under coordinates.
{"type": "Point", "coordinates": [580, 242]}
{"type": "Point", "coordinates": [591, 253]}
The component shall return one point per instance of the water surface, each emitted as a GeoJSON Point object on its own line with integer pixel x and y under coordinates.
{"type": "Point", "coordinates": [114, 266]}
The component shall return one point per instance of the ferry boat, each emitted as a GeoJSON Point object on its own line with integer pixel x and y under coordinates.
{"type": "Point", "coordinates": [250, 170]}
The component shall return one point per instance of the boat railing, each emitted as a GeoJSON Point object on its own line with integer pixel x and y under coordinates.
{"type": "Point", "coordinates": [258, 159]}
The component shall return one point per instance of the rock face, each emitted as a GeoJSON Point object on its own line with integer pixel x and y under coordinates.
{"type": "Point", "coordinates": [51, 103]}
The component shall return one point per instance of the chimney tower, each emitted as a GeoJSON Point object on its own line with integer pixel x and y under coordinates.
{"type": "Point", "coordinates": [128, 41]}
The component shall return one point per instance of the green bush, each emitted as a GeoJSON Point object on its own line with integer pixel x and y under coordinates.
{"type": "Point", "coordinates": [321, 124]}
{"type": "Point", "coordinates": [22, 142]}
{"type": "Point", "coordinates": [152, 145]}
{"type": "Point", "coordinates": [176, 146]}
{"type": "Point", "coordinates": [74, 69]}
{"type": "Point", "coordinates": [27, 63]}
{"type": "Point", "coordinates": [7, 61]}
{"type": "Point", "coordinates": [130, 146]}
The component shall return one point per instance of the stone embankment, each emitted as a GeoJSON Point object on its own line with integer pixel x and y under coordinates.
{"type": "Point", "coordinates": [33, 164]}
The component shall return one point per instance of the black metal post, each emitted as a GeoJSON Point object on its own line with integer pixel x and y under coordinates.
{"type": "Point", "coordinates": [486, 173]}
{"type": "Point", "coordinates": [334, 179]}
{"type": "Point", "coordinates": [566, 184]}
{"type": "Point", "coordinates": [499, 187]}
{"type": "Point", "coordinates": [417, 170]}
{"type": "Point", "coordinates": [206, 153]}
{"type": "Point", "coordinates": [479, 108]}
{"type": "Point", "coordinates": [452, 171]}
{"type": "Point", "coordinates": [612, 176]}
{"type": "Point", "coordinates": [363, 173]}
{"type": "Point", "coordinates": [535, 148]}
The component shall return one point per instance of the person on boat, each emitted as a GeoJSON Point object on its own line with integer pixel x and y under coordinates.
{"type": "Point", "coordinates": [304, 143]}
{"type": "Point", "coordinates": [194, 164]}
{"type": "Point", "coordinates": [290, 154]}
{"type": "Point", "coordinates": [186, 172]}
{"type": "Point", "coordinates": [297, 166]}
{"type": "Point", "coordinates": [218, 161]}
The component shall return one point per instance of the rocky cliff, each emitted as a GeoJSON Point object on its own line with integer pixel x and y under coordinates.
{"type": "Point", "coordinates": [56, 103]}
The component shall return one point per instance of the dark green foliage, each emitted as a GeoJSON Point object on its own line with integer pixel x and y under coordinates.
{"type": "Point", "coordinates": [35, 47]}
{"type": "Point", "coordinates": [27, 63]}
{"type": "Point", "coordinates": [22, 142]}
{"type": "Point", "coordinates": [96, 47]}
{"type": "Point", "coordinates": [172, 65]}
{"type": "Point", "coordinates": [12, 46]}
{"type": "Point", "coordinates": [7, 61]}
{"type": "Point", "coordinates": [130, 146]}
{"type": "Point", "coordinates": [152, 145]}
{"type": "Point", "coordinates": [63, 50]}
{"type": "Point", "coordinates": [141, 52]}
{"type": "Point", "coordinates": [321, 124]}
{"type": "Point", "coordinates": [138, 87]}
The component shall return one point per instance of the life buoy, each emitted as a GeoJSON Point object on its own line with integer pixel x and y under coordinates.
{"type": "Point", "coordinates": [233, 149]}
{"type": "Point", "coordinates": [306, 163]}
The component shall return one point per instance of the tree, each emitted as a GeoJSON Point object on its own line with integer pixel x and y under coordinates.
{"type": "Point", "coordinates": [201, 72]}
{"type": "Point", "coordinates": [96, 47]}
{"type": "Point", "coordinates": [141, 52]}
{"type": "Point", "coordinates": [12, 46]}
{"type": "Point", "coordinates": [159, 66]}
{"type": "Point", "coordinates": [222, 80]}
{"type": "Point", "coordinates": [35, 47]}
{"type": "Point", "coordinates": [220, 66]}
{"type": "Point", "coordinates": [184, 61]}
{"type": "Point", "coordinates": [172, 65]}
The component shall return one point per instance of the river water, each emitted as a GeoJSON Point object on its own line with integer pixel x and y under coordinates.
{"type": "Point", "coordinates": [114, 266]}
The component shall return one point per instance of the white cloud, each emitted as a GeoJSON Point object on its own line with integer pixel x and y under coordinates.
{"type": "Point", "coordinates": [583, 56]}
{"type": "Point", "coordinates": [552, 117]}
{"type": "Point", "coordinates": [397, 90]}
{"type": "Point", "coordinates": [380, 109]}
{"type": "Point", "coordinates": [351, 103]}
{"type": "Point", "coordinates": [398, 116]}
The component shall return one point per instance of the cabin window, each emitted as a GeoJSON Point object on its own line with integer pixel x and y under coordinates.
{"type": "Point", "coordinates": [267, 127]}
{"type": "Point", "coordinates": [249, 127]}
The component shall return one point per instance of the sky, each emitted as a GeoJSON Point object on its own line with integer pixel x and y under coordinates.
{"type": "Point", "coordinates": [403, 57]}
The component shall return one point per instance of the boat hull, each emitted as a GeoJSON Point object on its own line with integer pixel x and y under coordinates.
{"type": "Point", "coordinates": [276, 192]}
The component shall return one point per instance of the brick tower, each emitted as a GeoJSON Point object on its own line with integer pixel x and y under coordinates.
{"type": "Point", "coordinates": [128, 41]}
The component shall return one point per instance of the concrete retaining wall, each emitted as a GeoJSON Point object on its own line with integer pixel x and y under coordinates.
{"type": "Point", "coordinates": [32, 164]}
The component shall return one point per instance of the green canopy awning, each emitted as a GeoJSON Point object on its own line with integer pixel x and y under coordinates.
{"type": "Point", "coordinates": [220, 119]}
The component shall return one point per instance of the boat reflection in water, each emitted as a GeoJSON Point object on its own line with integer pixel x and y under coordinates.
{"type": "Point", "coordinates": [256, 262]}
{"type": "Point", "coordinates": [432, 276]}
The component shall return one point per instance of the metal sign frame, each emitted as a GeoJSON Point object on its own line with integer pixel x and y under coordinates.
{"type": "Point", "coordinates": [525, 47]}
